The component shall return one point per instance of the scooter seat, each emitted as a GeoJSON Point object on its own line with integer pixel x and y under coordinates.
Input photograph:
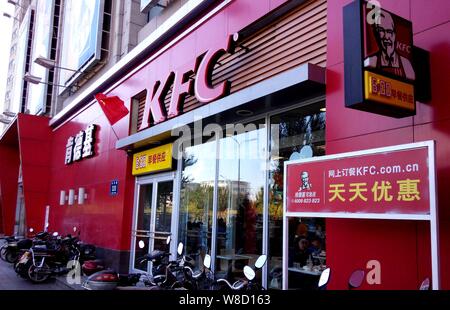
{"type": "Point", "coordinates": [197, 274]}
{"type": "Point", "coordinates": [155, 255]}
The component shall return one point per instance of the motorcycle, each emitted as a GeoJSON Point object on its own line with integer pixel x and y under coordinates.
{"type": "Point", "coordinates": [42, 261]}
{"type": "Point", "coordinates": [13, 250]}
{"type": "Point", "coordinates": [8, 241]}
{"type": "Point", "coordinates": [250, 275]}
{"type": "Point", "coordinates": [200, 279]}
{"type": "Point", "coordinates": [109, 279]}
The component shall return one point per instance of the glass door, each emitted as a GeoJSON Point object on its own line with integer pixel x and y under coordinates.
{"type": "Point", "coordinates": [153, 218]}
{"type": "Point", "coordinates": [162, 216]}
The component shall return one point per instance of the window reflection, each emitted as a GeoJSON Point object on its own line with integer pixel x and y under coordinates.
{"type": "Point", "coordinates": [241, 200]}
{"type": "Point", "coordinates": [299, 133]}
{"type": "Point", "coordinates": [241, 181]}
{"type": "Point", "coordinates": [196, 201]}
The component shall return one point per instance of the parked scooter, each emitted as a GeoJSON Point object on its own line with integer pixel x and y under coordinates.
{"type": "Point", "coordinates": [12, 251]}
{"type": "Point", "coordinates": [250, 275]}
{"type": "Point", "coordinates": [8, 241]}
{"type": "Point", "coordinates": [176, 274]}
{"type": "Point", "coordinates": [200, 279]}
{"type": "Point", "coordinates": [52, 259]}
{"type": "Point", "coordinates": [109, 279]}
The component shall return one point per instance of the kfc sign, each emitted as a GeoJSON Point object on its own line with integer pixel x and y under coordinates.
{"type": "Point", "coordinates": [155, 111]}
{"type": "Point", "coordinates": [370, 182]}
{"type": "Point", "coordinates": [379, 72]}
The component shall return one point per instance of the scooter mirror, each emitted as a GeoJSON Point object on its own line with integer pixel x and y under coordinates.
{"type": "Point", "coordinates": [207, 261]}
{"type": "Point", "coordinates": [249, 273]}
{"type": "Point", "coordinates": [324, 278]}
{"type": "Point", "coordinates": [180, 248]}
{"type": "Point", "coordinates": [55, 234]}
{"type": "Point", "coordinates": [356, 279]}
{"type": "Point", "coordinates": [141, 244]}
{"type": "Point", "coordinates": [425, 286]}
{"type": "Point", "coordinates": [261, 261]}
{"type": "Point", "coordinates": [31, 230]}
{"type": "Point", "coordinates": [168, 240]}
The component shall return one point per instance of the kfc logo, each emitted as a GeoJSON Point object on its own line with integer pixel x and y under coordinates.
{"type": "Point", "coordinates": [306, 185]}
{"type": "Point", "coordinates": [389, 45]}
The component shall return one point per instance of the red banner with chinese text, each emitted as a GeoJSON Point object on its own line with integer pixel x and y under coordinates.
{"type": "Point", "coordinates": [395, 182]}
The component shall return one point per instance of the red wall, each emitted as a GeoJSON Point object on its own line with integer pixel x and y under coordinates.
{"type": "Point", "coordinates": [34, 145]}
{"type": "Point", "coordinates": [402, 247]}
{"type": "Point", "coordinates": [103, 220]}
{"type": "Point", "coordinates": [9, 168]}
{"type": "Point", "coordinates": [28, 142]}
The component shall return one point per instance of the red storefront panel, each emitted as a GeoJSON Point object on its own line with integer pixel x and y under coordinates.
{"type": "Point", "coordinates": [9, 167]}
{"type": "Point", "coordinates": [101, 218]}
{"type": "Point", "coordinates": [349, 130]}
{"type": "Point", "coordinates": [34, 144]}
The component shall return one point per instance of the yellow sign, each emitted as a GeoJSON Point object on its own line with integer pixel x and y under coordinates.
{"type": "Point", "coordinates": [382, 89]}
{"type": "Point", "coordinates": [156, 159]}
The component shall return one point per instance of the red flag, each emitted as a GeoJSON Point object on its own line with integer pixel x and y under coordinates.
{"type": "Point", "coordinates": [113, 107]}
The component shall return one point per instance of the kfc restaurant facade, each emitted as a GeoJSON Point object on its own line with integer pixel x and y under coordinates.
{"type": "Point", "coordinates": [158, 152]}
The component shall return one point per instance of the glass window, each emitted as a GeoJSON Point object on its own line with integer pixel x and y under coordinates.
{"type": "Point", "coordinates": [196, 202]}
{"type": "Point", "coordinates": [241, 184]}
{"type": "Point", "coordinates": [295, 134]}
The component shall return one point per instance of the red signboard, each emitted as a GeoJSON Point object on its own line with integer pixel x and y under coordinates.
{"type": "Point", "coordinates": [381, 182]}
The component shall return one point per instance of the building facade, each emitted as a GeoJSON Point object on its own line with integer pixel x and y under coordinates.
{"type": "Point", "coordinates": [216, 96]}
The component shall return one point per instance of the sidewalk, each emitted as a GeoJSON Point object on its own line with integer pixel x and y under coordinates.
{"type": "Point", "coordinates": [62, 282]}
{"type": "Point", "coordinates": [9, 280]}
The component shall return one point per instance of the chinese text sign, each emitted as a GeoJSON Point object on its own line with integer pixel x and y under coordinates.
{"type": "Point", "coordinates": [395, 182]}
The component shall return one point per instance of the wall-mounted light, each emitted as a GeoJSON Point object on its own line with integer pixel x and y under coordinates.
{"type": "Point", "coordinates": [37, 80]}
{"type": "Point", "coordinates": [10, 16]}
{"type": "Point", "coordinates": [15, 3]}
{"type": "Point", "coordinates": [71, 196]}
{"type": "Point", "coordinates": [62, 198]}
{"type": "Point", "coordinates": [81, 195]}
{"type": "Point", "coordinates": [50, 64]}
